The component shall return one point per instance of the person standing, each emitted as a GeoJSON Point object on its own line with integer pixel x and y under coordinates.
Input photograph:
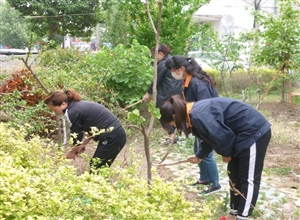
{"type": "Point", "coordinates": [166, 84]}
{"type": "Point", "coordinates": [198, 85]}
{"type": "Point", "coordinates": [85, 116]}
{"type": "Point", "coordinates": [234, 130]}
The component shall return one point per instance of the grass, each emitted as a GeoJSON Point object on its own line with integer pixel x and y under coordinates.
{"type": "Point", "coordinates": [281, 171]}
{"type": "Point", "coordinates": [297, 212]}
{"type": "Point", "coordinates": [267, 171]}
{"type": "Point", "coordinates": [284, 200]}
{"type": "Point", "coordinates": [257, 213]}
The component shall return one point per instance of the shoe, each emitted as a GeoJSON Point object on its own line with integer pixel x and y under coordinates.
{"type": "Point", "coordinates": [198, 183]}
{"type": "Point", "coordinates": [209, 191]}
{"type": "Point", "coordinates": [168, 141]}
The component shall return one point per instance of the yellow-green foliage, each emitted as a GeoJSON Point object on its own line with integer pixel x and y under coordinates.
{"type": "Point", "coordinates": [241, 79]}
{"type": "Point", "coordinates": [215, 74]}
{"type": "Point", "coordinates": [37, 183]}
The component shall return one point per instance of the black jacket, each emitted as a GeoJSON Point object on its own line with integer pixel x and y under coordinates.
{"type": "Point", "coordinates": [83, 115]}
{"type": "Point", "coordinates": [226, 125]}
{"type": "Point", "coordinates": [198, 89]}
{"type": "Point", "coordinates": [167, 85]}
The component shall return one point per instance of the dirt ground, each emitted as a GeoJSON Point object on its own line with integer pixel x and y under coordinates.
{"type": "Point", "coordinates": [286, 155]}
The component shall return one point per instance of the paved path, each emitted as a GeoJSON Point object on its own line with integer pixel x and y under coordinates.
{"type": "Point", "coordinates": [10, 64]}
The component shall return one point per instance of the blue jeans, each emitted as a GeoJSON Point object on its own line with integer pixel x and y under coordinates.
{"type": "Point", "coordinates": [208, 167]}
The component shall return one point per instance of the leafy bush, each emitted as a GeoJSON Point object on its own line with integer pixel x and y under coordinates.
{"type": "Point", "coordinates": [255, 79]}
{"type": "Point", "coordinates": [19, 113]}
{"type": "Point", "coordinates": [126, 72]}
{"type": "Point", "coordinates": [69, 68]}
{"type": "Point", "coordinates": [37, 183]}
{"type": "Point", "coordinates": [120, 75]}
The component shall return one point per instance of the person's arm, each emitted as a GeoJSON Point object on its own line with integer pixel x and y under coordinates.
{"type": "Point", "coordinates": [146, 97]}
{"type": "Point", "coordinates": [214, 133]}
{"type": "Point", "coordinates": [196, 160]}
{"type": "Point", "coordinates": [226, 159]}
{"type": "Point", "coordinates": [193, 159]}
{"type": "Point", "coordinates": [204, 150]}
{"type": "Point", "coordinates": [77, 135]}
{"type": "Point", "coordinates": [200, 90]}
{"type": "Point", "coordinates": [161, 73]}
{"type": "Point", "coordinates": [78, 149]}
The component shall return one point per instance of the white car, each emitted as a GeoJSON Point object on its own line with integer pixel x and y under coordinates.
{"type": "Point", "coordinates": [82, 46]}
{"type": "Point", "coordinates": [13, 51]}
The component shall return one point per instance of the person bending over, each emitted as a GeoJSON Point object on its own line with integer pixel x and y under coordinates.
{"type": "Point", "coordinates": [234, 130]}
{"type": "Point", "coordinates": [197, 85]}
{"type": "Point", "coordinates": [91, 117]}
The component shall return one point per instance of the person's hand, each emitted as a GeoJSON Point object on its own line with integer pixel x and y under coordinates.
{"type": "Point", "coordinates": [193, 159]}
{"type": "Point", "coordinates": [71, 155]}
{"type": "Point", "coordinates": [75, 151]}
{"type": "Point", "coordinates": [226, 159]}
{"type": "Point", "coordinates": [146, 97]}
{"type": "Point", "coordinates": [80, 149]}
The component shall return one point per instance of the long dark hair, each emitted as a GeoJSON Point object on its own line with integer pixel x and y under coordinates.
{"type": "Point", "coordinates": [175, 106]}
{"type": "Point", "coordinates": [57, 97]}
{"type": "Point", "coordinates": [191, 66]}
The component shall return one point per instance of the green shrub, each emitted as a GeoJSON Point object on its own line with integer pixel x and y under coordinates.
{"type": "Point", "coordinates": [254, 80]}
{"type": "Point", "coordinates": [37, 183]}
{"type": "Point", "coordinates": [126, 72]}
{"type": "Point", "coordinates": [19, 113]}
{"type": "Point", "coordinates": [120, 75]}
{"type": "Point", "coordinates": [69, 68]}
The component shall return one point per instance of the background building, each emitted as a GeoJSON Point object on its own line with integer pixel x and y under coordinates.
{"type": "Point", "coordinates": [232, 16]}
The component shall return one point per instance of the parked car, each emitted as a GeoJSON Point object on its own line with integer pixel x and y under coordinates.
{"type": "Point", "coordinates": [83, 46]}
{"type": "Point", "coordinates": [13, 51]}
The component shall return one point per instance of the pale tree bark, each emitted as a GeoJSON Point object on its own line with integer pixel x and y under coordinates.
{"type": "Point", "coordinates": [61, 130]}
{"type": "Point", "coordinates": [147, 132]}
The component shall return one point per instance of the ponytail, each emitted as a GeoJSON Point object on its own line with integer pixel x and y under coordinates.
{"type": "Point", "coordinates": [57, 97]}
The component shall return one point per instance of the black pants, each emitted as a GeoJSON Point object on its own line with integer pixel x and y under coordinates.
{"type": "Point", "coordinates": [244, 173]}
{"type": "Point", "coordinates": [108, 149]}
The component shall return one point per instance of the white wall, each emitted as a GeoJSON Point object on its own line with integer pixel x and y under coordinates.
{"type": "Point", "coordinates": [230, 16]}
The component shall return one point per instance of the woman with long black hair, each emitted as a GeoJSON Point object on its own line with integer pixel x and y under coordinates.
{"type": "Point", "coordinates": [197, 85]}
{"type": "Point", "coordinates": [234, 130]}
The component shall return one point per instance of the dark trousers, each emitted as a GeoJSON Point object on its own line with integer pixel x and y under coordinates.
{"type": "Point", "coordinates": [109, 148]}
{"type": "Point", "coordinates": [244, 173]}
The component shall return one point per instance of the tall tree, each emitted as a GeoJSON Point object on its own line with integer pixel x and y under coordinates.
{"type": "Point", "coordinates": [13, 31]}
{"type": "Point", "coordinates": [256, 6]}
{"type": "Point", "coordinates": [60, 17]}
{"type": "Point", "coordinates": [278, 40]}
{"type": "Point", "coordinates": [176, 26]}
{"type": "Point", "coordinates": [115, 28]}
